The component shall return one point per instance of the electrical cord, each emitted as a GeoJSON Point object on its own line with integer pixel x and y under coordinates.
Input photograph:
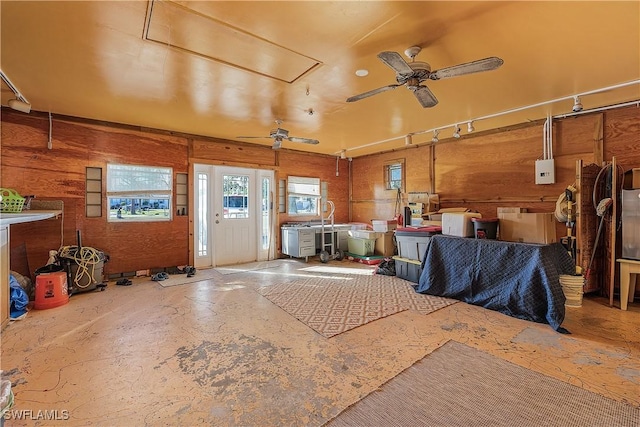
{"type": "Point", "coordinates": [86, 258]}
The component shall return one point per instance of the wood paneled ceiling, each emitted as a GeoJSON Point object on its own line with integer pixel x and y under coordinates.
{"type": "Point", "coordinates": [224, 69]}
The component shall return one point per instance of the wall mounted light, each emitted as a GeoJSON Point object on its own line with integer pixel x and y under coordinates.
{"type": "Point", "coordinates": [408, 140]}
{"type": "Point", "coordinates": [435, 135]}
{"type": "Point", "coordinates": [20, 103]}
{"type": "Point", "coordinates": [577, 105]}
{"type": "Point", "coordinates": [470, 127]}
{"type": "Point", "coordinates": [456, 131]}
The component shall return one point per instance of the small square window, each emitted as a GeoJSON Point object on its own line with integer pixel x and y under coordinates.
{"type": "Point", "coordinates": [393, 174]}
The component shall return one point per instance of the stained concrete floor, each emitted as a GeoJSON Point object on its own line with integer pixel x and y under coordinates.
{"type": "Point", "coordinates": [215, 352]}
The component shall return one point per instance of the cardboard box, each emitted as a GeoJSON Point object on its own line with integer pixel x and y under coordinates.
{"type": "Point", "coordinates": [528, 227]}
{"type": "Point", "coordinates": [511, 210]}
{"type": "Point", "coordinates": [458, 223]}
{"type": "Point", "coordinates": [385, 245]}
{"type": "Point", "coordinates": [631, 179]}
{"type": "Point", "coordinates": [384, 225]}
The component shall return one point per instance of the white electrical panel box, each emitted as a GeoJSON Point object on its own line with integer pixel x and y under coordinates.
{"type": "Point", "coordinates": [545, 171]}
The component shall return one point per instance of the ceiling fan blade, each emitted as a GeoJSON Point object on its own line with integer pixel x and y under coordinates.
{"type": "Point", "coordinates": [485, 64]}
{"type": "Point", "coordinates": [303, 140]}
{"type": "Point", "coordinates": [396, 62]}
{"type": "Point", "coordinates": [372, 92]}
{"type": "Point", "coordinates": [425, 97]}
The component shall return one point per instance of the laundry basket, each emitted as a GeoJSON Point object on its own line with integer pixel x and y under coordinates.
{"type": "Point", "coordinates": [11, 201]}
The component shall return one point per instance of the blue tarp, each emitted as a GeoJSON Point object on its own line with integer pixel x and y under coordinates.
{"type": "Point", "coordinates": [18, 298]}
{"type": "Point", "coordinates": [518, 279]}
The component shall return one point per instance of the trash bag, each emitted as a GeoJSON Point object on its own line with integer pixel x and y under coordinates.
{"type": "Point", "coordinates": [387, 267]}
{"type": "Point", "coordinates": [18, 299]}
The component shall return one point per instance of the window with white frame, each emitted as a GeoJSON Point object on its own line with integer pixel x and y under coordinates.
{"type": "Point", "coordinates": [139, 193]}
{"type": "Point", "coordinates": [303, 195]}
{"type": "Point", "coordinates": [394, 174]}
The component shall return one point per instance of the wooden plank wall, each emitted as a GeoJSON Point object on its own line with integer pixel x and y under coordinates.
{"type": "Point", "coordinates": [30, 167]}
{"type": "Point", "coordinates": [488, 170]}
{"type": "Point", "coordinates": [480, 172]}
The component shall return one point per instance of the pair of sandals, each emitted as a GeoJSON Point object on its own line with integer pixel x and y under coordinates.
{"type": "Point", "coordinates": [190, 270]}
{"type": "Point", "coordinates": [158, 277]}
{"type": "Point", "coordinates": [123, 282]}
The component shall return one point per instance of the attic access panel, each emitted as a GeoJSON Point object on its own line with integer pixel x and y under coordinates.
{"type": "Point", "coordinates": [185, 29]}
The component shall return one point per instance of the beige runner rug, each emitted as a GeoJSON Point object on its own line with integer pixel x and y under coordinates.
{"type": "Point", "coordinates": [182, 279]}
{"type": "Point", "coordinates": [331, 306]}
{"type": "Point", "coordinates": [457, 385]}
{"type": "Point", "coordinates": [250, 266]}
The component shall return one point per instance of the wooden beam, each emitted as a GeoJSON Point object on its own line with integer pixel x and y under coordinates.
{"type": "Point", "coordinates": [598, 140]}
{"type": "Point", "coordinates": [614, 221]}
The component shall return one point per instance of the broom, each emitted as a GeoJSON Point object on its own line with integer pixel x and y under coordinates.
{"type": "Point", "coordinates": [603, 206]}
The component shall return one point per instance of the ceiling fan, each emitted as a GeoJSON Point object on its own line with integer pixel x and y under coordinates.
{"type": "Point", "coordinates": [415, 72]}
{"type": "Point", "coordinates": [279, 134]}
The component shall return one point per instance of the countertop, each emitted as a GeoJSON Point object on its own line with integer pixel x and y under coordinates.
{"type": "Point", "coordinates": [7, 219]}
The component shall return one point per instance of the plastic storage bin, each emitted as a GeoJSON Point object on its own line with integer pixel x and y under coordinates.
{"type": "Point", "coordinates": [359, 246]}
{"type": "Point", "coordinates": [408, 269]}
{"type": "Point", "coordinates": [412, 242]}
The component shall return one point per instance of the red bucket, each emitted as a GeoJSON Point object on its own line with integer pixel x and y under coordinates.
{"type": "Point", "coordinates": [51, 290]}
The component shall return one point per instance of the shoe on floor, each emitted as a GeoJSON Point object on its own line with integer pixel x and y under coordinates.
{"type": "Point", "coordinates": [158, 277]}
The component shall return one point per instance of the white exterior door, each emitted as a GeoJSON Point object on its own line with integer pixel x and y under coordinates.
{"type": "Point", "coordinates": [234, 215]}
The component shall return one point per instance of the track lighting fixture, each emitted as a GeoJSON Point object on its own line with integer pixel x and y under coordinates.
{"type": "Point", "coordinates": [470, 127]}
{"type": "Point", "coordinates": [408, 140]}
{"type": "Point", "coordinates": [577, 105]}
{"type": "Point", "coordinates": [20, 103]}
{"type": "Point", "coordinates": [435, 135]}
{"type": "Point", "coordinates": [456, 131]}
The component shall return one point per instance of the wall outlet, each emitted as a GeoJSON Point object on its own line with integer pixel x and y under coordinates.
{"type": "Point", "coordinates": [545, 171]}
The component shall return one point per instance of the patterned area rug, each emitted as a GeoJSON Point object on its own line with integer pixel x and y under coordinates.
{"type": "Point", "coordinates": [331, 306]}
{"type": "Point", "coordinates": [457, 385]}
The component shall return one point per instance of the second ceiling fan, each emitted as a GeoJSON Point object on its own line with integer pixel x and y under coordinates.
{"type": "Point", "coordinates": [411, 74]}
{"type": "Point", "coordinates": [279, 134]}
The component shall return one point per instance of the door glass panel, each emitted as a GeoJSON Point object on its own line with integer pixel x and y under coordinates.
{"type": "Point", "coordinates": [265, 212]}
{"type": "Point", "coordinates": [235, 200]}
{"type": "Point", "coordinates": [203, 238]}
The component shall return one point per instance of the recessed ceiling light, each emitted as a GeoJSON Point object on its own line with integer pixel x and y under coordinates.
{"type": "Point", "coordinates": [362, 73]}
